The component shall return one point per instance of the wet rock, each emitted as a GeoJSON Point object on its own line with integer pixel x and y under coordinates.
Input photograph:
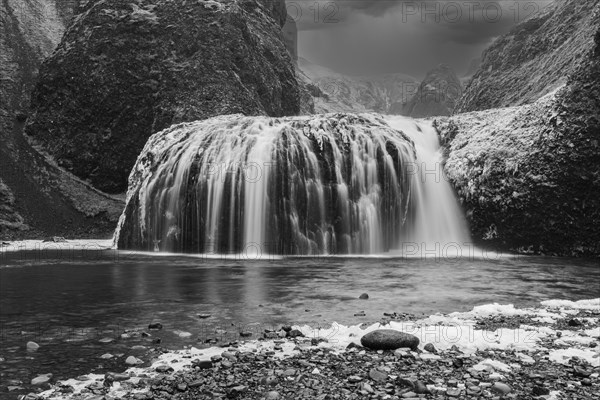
{"type": "Point", "coordinates": [420, 388]}
{"type": "Point", "coordinates": [540, 391]}
{"type": "Point", "coordinates": [295, 333]}
{"type": "Point", "coordinates": [182, 387]}
{"type": "Point", "coordinates": [364, 296]}
{"type": "Point", "coordinates": [106, 340]}
{"type": "Point", "coordinates": [41, 379]}
{"type": "Point", "coordinates": [354, 379]}
{"type": "Point", "coordinates": [388, 339]}
{"type": "Point", "coordinates": [203, 364]}
{"type": "Point", "coordinates": [453, 392]}
{"type": "Point", "coordinates": [106, 356]}
{"type": "Point", "coordinates": [245, 334]}
{"type": "Point", "coordinates": [377, 375]}
{"type": "Point", "coordinates": [163, 369]}
{"type": "Point", "coordinates": [408, 395]}
{"type": "Point", "coordinates": [575, 322]}
{"type": "Point", "coordinates": [286, 328]}
{"type": "Point", "coordinates": [204, 316]}
{"type": "Point", "coordinates": [430, 348]}
{"type": "Point", "coordinates": [32, 346]}
{"type": "Point", "coordinates": [273, 395]}
{"type": "Point", "coordinates": [115, 377]}
{"type": "Point", "coordinates": [155, 326]}
{"type": "Point", "coordinates": [131, 360]}
{"type": "Point", "coordinates": [501, 388]}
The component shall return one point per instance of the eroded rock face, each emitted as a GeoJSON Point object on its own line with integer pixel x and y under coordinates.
{"type": "Point", "coordinates": [36, 197]}
{"type": "Point", "coordinates": [125, 70]}
{"type": "Point", "coordinates": [534, 58]}
{"type": "Point", "coordinates": [437, 95]}
{"type": "Point", "coordinates": [529, 176]}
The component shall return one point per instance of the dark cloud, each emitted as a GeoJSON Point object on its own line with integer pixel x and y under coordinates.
{"type": "Point", "coordinates": [375, 36]}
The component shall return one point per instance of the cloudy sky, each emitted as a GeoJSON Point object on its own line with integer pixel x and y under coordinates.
{"type": "Point", "coordinates": [379, 36]}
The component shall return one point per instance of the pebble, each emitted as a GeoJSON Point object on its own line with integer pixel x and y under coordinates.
{"type": "Point", "coordinates": [41, 379]}
{"type": "Point", "coordinates": [155, 326]}
{"type": "Point", "coordinates": [501, 388]}
{"type": "Point", "coordinates": [273, 395]}
{"type": "Point", "coordinates": [32, 346]}
{"type": "Point", "coordinates": [430, 348]}
{"type": "Point", "coordinates": [131, 360]}
{"type": "Point", "coordinates": [204, 316]}
{"type": "Point", "coordinates": [364, 296]}
{"type": "Point", "coordinates": [106, 356]}
{"type": "Point", "coordinates": [377, 375]}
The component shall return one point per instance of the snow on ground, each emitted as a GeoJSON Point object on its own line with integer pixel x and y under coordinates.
{"type": "Point", "coordinates": [444, 331]}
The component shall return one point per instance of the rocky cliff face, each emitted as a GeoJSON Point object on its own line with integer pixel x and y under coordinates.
{"type": "Point", "coordinates": [534, 59]}
{"type": "Point", "coordinates": [529, 176]}
{"type": "Point", "coordinates": [125, 70]}
{"type": "Point", "coordinates": [36, 197]}
{"type": "Point", "coordinates": [437, 95]}
{"type": "Point", "coordinates": [333, 92]}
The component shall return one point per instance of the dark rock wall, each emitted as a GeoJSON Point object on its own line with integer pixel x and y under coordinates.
{"type": "Point", "coordinates": [124, 71]}
{"type": "Point", "coordinates": [533, 59]}
{"type": "Point", "coordinates": [529, 176]}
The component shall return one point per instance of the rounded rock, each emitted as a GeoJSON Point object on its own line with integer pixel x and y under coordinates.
{"type": "Point", "coordinates": [389, 339]}
{"type": "Point", "coordinates": [501, 388]}
{"type": "Point", "coordinates": [32, 346]}
{"type": "Point", "coordinates": [364, 296]}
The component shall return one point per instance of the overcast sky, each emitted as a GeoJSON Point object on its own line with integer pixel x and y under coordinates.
{"type": "Point", "coordinates": [378, 36]}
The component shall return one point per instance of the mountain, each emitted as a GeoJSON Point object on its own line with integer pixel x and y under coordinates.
{"type": "Point", "coordinates": [125, 70]}
{"type": "Point", "coordinates": [37, 198]}
{"type": "Point", "coordinates": [534, 59]}
{"type": "Point", "coordinates": [334, 92]}
{"type": "Point", "coordinates": [529, 175]}
{"type": "Point", "coordinates": [437, 95]}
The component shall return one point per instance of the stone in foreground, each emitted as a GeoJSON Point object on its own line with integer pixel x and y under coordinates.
{"type": "Point", "coordinates": [389, 339]}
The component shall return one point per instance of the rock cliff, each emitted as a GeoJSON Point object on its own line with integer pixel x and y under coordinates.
{"type": "Point", "coordinates": [125, 70]}
{"type": "Point", "coordinates": [36, 197]}
{"type": "Point", "coordinates": [529, 176]}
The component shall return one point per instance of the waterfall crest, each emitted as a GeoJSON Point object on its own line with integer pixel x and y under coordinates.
{"type": "Point", "coordinates": [333, 184]}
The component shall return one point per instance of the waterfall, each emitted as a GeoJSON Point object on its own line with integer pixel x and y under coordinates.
{"type": "Point", "coordinates": [332, 184]}
{"type": "Point", "coordinates": [436, 223]}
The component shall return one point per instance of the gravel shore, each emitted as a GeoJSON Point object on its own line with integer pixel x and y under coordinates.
{"type": "Point", "coordinates": [494, 352]}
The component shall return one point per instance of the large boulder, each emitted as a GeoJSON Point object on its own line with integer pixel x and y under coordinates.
{"type": "Point", "coordinates": [125, 70]}
{"type": "Point", "coordinates": [389, 339]}
{"type": "Point", "coordinates": [529, 176]}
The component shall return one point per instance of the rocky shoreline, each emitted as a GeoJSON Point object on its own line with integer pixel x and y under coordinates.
{"type": "Point", "coordinates": [494, 351]}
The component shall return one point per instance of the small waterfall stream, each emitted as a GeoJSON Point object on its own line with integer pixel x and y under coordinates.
{"type": "Point", "coordinates": [333, 184]}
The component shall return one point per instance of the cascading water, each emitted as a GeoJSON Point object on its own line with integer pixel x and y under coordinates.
{"type": "Point", "coordinates": [436, 222]}
{"type": "Point", "coordinates": [303, 185]}
{"type": "Point", "coordinates": [334, 184]}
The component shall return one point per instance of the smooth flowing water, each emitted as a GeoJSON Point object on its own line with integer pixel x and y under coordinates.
{"type": "Point", "coordinates": [335, 184]}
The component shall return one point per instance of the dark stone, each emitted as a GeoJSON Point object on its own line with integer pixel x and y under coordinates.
{"type": "Point", "coordinates": [295, 333]}
{"type": "Point", "coordinates": [540, 391]}
{"type": "Point", "coordinates": [430, 348]}
{"type": "Point", "coordinates": [420, 388]}
{"type": "Point", "coordinates": [364, 296]}
{"type": "Point", "coordinates": [575, 322]}
{"type": "Point", "coordinates": [388, 339]}
{"type": "Point", "coordinates": [155, 326]}
{"type": "Point", "coordinates": [203, 364]}
{"type": "Point", "coordinates": [286, 328]}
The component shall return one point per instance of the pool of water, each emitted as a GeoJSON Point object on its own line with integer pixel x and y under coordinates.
{"type": "Point", "coordinates": [67, 304]}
